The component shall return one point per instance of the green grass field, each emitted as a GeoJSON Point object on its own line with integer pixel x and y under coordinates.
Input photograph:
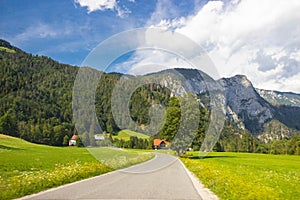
{"type": "Point", "coordinates": [7, 50]}
{"type": "Point", "coordinates": [27, 168]}
{"type": "Point", "coordinates": [126, 134]}
{"type": "Point", "coordinates": [248, 175]}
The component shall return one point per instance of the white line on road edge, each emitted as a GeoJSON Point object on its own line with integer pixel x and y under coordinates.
{"type": "Point", "coordinates": [204, 193]}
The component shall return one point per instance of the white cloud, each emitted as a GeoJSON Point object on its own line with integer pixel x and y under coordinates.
{"type": "Point", "coordinates": [165, 9]}
{"type": "Point", "coordinates": [93, 5]}
{"type": "Point", "coordinates": [122, 12]}
{"type": "Point", "coordinates": [265, 62]}
{"type": "Point", "coordinates": [146, 61]}
{"type": "Point", "coordinates": [258, 38]}
{"type": "Point", "coordinates": [102, 5]}
{"type": "Point", "coordinates": [253, 37]}
{"type": "Point", "coordinates": [41, 30]}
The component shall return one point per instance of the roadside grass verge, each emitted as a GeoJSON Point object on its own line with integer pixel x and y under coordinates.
{"type": "Point", "coordinates": [28, 168]}
{"type": "Point", "coordinates": [165, 151]}
{"type": "Point", "coordinates": [120, 158]}
{"type": "Point", "coordinates": [248, 175]}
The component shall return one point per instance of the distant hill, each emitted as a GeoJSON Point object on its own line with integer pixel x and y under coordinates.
{"type": "Point", "coordinates": [126, 134]}
{"type": "Point", "coordinates": [280, 98]}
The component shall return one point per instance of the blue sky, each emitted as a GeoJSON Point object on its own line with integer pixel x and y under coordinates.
{"type": "Point", "coordinates": [257, 38]}
{"type": "Point", "coordinates": [67, 31]}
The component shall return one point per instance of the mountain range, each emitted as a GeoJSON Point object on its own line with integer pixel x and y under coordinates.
{"type": "Point", "coordinates": [36, 97]}
{"type": "Point", "coordinates": [277, 98]}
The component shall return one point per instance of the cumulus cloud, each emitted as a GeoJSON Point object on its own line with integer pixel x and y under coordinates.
{"type": "Point", "coordinates": [252, 37]}
{"type": "Point", "coordinates": [165, 9]}
{"type": "Point", "coordinates": [291, 66]}
{"type": "Point", "coordinates": [93, 5]}
{"type": "Point", "coordinates": [265, 62]}
{"type": "Point", "coordinates": [102, 5]}
{"type": "Point", "coordinates": [258, 38]}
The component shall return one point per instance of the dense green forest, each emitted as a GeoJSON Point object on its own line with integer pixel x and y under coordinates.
{"type": "Point", "coordinates": [36, 105]}
{"type": "Point", "coordinates": [35, 96]}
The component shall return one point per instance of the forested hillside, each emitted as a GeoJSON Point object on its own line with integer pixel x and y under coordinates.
{"type": "Point", "coordinates": [35, 96]}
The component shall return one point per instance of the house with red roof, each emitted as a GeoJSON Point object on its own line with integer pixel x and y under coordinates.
{"type": "Point", "coordinates": [161, 144]}
{"type": "Point", "coordinates": [72, 141]}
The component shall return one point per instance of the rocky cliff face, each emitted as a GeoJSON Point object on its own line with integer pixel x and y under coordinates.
{"type": "Point", "coordinates": [275, 130]}
{"type": "Point", "coordinates": [246, 103]}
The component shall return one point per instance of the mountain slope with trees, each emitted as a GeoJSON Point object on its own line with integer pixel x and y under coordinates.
{"type": "Point", "coordinates": [36, 105]}
{"type": "Point", "coordinates": [35, 96]}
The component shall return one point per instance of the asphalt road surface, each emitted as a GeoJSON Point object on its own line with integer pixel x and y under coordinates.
{"type": "Point", "coordinates": [163, 177]}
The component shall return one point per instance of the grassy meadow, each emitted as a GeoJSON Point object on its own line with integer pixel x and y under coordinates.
{"type": "Point", "coordinates": [27, 168]}
{"type": "Point", "coordinates": [126, 134]}
{"type": "Point", "coordinates": [248, 175]}
{"type": "Point", "coordinates": [7, 50]}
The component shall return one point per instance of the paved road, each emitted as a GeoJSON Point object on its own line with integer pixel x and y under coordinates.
{"type": "Point", "coordinates": [163, 177]}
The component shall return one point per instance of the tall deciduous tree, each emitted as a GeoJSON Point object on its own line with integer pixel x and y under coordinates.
{"type": "Point", "coordinates": [66, 140]}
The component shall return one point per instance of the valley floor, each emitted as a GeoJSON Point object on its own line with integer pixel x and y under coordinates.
{"type": "Point", "coordinates": [27, 168]}
{"type": "Point", "coordinates": [247, 175]}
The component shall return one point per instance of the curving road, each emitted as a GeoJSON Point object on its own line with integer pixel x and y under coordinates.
{"type": "Point", "coordinates": [163, 177]}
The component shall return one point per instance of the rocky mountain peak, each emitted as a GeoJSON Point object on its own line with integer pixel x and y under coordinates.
{"type": "Point", "coordinates": [243, 100]}
{"type": "Point", "coordinates": [238, 80]}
